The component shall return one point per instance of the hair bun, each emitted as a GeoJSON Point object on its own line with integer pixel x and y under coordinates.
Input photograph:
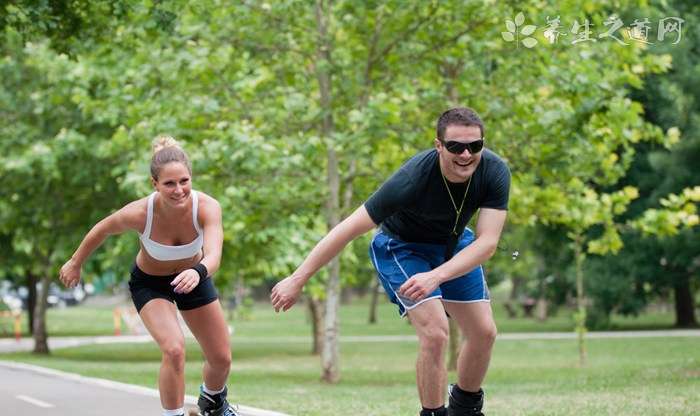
{"type": "Point", "coordinates": [167, 150]}
{"type": "Point", "coordinates": [162, 141]}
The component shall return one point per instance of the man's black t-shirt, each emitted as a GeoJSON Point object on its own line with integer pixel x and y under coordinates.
{"type": "Point", "coordinates": [414, 205]}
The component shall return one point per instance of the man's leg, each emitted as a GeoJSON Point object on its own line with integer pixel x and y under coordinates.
{"type": "Point", "coordinates": [475, 321]}
{"type": "Point", "coordinates": [395, 262]}
{"type": "Point", "coordinates": [430, 323]}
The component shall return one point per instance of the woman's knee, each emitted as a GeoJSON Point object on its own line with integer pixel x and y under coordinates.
{"type": "Point", "coordinates": [220, 359]}
{"type": "Point", "coordinates": [174, 353]}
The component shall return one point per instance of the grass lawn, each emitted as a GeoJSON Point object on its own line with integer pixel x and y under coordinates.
{"type": "Point", "coordinates": [531, 377]}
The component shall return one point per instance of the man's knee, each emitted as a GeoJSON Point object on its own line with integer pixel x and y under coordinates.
{"type": "Point", "coordinates": [434, 339]}
{"type": "Point", "coordinates": [484, 334]}
{"type": "Point", "coordinates": [490, 332]}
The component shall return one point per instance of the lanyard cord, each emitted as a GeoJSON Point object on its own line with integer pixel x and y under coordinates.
{"type": "Point", "coordinates": [464, 198]}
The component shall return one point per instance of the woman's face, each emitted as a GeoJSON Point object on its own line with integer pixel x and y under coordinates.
{"type": "Point", "coordinates": [174, 184]}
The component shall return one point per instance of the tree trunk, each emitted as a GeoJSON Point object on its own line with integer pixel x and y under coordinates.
{"type": "Point", "coordinates": [511, 305]}
{"type": "Point", "coordinates": [330, 358]}
{"type": "Point", "coordinates": [541, 309]}
{"type": "Point", "coordinates": [316, 311]}
{"type": "Point", "coordinates": [684, 304]}
{"type": "Point", "coordinates": [580, 302]}
{"type": "Point", "coordinates": [233, 303]}
{"type": "Point", "coordinates": [331, 351]}
{"type": "Point", "coordinates": [453, 346]}
{"type": "Point", "coordinates": [41, 345]}
{"type": "Point", "coordinates": [373, 302]}
{"type": "Point", "coordinates": [31, 300]}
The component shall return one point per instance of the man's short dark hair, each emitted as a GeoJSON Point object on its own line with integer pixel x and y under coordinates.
{"type": "Point", "coordinates": [460, 116]}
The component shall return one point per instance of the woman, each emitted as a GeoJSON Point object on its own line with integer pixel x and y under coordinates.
{"type": "Point", "coordinates": [181, 237]}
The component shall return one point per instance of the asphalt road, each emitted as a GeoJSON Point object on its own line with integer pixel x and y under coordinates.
{"type": "Point", "coordinates": [30, 390]}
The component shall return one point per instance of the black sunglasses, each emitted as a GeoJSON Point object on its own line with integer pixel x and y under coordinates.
{"type": "Point", "coordinates": [458, 147]}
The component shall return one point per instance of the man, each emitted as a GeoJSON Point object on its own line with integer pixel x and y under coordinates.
{"type": "Point", "coordinates": [426, 259]}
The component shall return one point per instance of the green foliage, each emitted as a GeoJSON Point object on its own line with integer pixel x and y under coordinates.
{"type": "Point", "coordinates": [86, 85]}
{"type": "Point", "coordinates": [660, 256]}
{"type": "Point", "coordinates": [56, 183]}
{"type": "Point", "coordinates": [679, 211]}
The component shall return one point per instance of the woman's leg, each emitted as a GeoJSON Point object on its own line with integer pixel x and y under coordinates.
{"type": "Point", "coordinates": [209, 327]}
{"type": "Point", "coordinates": [160, 318]}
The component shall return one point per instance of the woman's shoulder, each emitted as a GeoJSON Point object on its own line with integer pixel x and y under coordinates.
{"type": "Point", "coordinates": [134, 213]}
{"type": "Point", "coordinates": [207, 205]}
{"type": "Point", "coordinates": [205, 200]}
{"type": "Point", "coordinates": [138, 206]}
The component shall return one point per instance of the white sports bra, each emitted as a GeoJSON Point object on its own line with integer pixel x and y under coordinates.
{"type": "Point", "coordinates": [164, 252]}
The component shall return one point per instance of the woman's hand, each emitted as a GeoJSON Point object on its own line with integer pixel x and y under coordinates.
{"type": "Point", "coordinates": [186, 281]}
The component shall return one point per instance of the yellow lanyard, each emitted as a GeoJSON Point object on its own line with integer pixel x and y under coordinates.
{"type": "Point", "coordinates": [459, 211]}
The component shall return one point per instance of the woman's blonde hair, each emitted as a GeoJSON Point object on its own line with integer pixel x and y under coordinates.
{"type": "Point", "coordinates": [166, 150]}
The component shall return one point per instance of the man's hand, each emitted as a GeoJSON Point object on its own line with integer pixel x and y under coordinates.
{"type": "Point", "coordinates": [419, 286]}
{"type": "Point", "coordinates": [186, 281]}
{"type": "Point", "coordinates": [285, 294]}
{"type": "Point", "coordinates": [70, 274]}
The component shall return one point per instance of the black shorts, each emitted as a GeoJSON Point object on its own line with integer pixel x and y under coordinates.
{"type": "Point", "coordinates": [144, 287]}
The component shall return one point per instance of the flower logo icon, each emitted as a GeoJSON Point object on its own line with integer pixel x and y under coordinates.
{"type": "Point", "coordinates": [513, 34]}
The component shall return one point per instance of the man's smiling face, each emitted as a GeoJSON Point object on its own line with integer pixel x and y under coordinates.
{"type": "Point", "coordinates": [459, 167]}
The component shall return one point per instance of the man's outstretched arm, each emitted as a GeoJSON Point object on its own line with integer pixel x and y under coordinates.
{"type": "Point", "coordinates": [286, 293]}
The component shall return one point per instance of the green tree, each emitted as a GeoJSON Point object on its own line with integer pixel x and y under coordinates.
{"type": "Point", "coordinates": [57, 178]}
{"type": "Point", "coordinates": [291, 127]}
{"type": "Point", "coordinates": [660, 254]}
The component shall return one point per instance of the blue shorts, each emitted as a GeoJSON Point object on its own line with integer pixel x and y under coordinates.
{"type": "Point", "coordinates": [396, 261]}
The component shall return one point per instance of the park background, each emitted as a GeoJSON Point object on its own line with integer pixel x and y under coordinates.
{"type": "Point", "coordinates": [293, 112]}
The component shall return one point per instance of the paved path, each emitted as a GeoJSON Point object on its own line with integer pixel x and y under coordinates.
{"type": "Point", "coordinates": [27, 390]}
{"type": "Point", "coordinates": [31, 390]}
{"type": "Point", "coordinates": [26, 344]}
